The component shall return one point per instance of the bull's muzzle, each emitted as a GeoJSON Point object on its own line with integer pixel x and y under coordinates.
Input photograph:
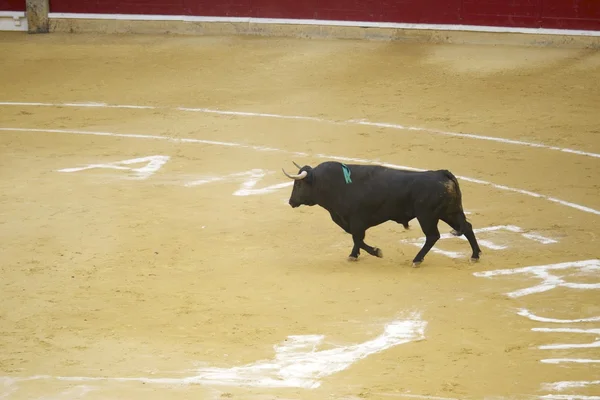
{"type": "Point", "coordinates": [293, 204]}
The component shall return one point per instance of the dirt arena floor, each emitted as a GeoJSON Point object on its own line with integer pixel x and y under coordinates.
{"type": "Point", "coordinates": [187, 275]}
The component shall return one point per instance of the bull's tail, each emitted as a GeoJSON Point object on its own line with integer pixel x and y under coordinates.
{"type": "Point", "coordinates": [451, 176]}
{"type": "Point", "coordinates": [462, 219]}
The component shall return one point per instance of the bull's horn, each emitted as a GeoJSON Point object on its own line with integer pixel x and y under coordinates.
{"type": "Point", "coordinates": [299, 167]}
{"type": "Point", "coordinates": [301, 175]}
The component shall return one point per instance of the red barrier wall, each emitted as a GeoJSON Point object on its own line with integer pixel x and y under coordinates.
{"type": "Point", "coordinates": [12, 5]}
{"type": "Point", "coordinates": [571, 14]}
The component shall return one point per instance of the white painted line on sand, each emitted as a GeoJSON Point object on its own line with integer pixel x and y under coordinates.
{"type": "Point", "coordinates": [539, 238]}
{"type": "Point", "coordinates": [323, 156]}
{"type": "Point", "coordinates": [252, 173]}
{"type": "Point", "coordinates": [315, 119]}
{"type": "Point", "coordinates": [247, 187]}
{"type": "Point", "coordinates": [586, 266]}
{"type": "Point", "coordinates": [472, 136]}
{"type": "Point", "coordinates": [138, 136]}
{"type": "Point", "coordinates": [249, 114]}
{"type": "Point", "coordinates": [549, 281]}
{"type": "Point", "coordinates": [570, 360]}
{"type": "Point", "coordinates": [570, 345]}
{"type": "Point", "coordinates": [102, 105]}
{"type": "Point", "coordinates": [204, 181]}
{"type": "Point", "coordinates": [414, 396]}
{"type": "Point", "coordinates": [567, 330]}
{"type": "Point", "coordinates": [418, 242]}
{"type": "Point", "coordinates": [563, 346]}
{"type": "Point", "coordinates": [528, 314]}
{"type": "Point", "coordinates": [153, 164]}
{"type": "Point", "coordinates": [565, 385]}
{"type": "Point", "coordinates": [516, 229]}
{"type": "Point", "coordinates": [487, 244]}
{"type": "Point", "coordinates": [297, 363]}
{"type": "Point", "coordinates": [568, 397]}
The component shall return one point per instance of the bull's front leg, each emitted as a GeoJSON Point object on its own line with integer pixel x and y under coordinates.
{"type": "Point", "coordinates": [358, 238]}
{"type": "Point", "coordinates": [355, 249]}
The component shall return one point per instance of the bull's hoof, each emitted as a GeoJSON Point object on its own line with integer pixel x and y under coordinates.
{"type": "Point", "coordinates": [406, 226]}
{"type": "Point", "coordinates": [352, 258]}
{"type": "Point", "coordinates": [455, 232]}
{"type": "Point", "coordinates": [416, 264]}
{"type": "Point", "coordinates": [378, 252]}
{"type": "Point", "coordinates": [475, 257]}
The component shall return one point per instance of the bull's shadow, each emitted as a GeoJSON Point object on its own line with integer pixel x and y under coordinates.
{"type": "Point", "coordinates": [359, 197]}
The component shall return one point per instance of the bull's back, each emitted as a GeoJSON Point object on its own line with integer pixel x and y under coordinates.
{"type": "Point", "coordinates": [430, 189]}
{"type": "Point", "coordinates": [383, 194]}
{"type": "Point", "coordinates": [383, 190]}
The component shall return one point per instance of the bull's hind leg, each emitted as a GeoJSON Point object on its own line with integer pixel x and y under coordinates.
{"type": "Point", "coordinates": [432, 235]}
{"type": "Point", "coordinates": [359, 243]}
{"type": "Point", "coordinates": [461, 226]}
{"type": "Point", "coordinates": [470, 235]}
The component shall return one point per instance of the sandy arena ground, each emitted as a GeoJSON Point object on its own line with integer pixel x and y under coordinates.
{"type": "Point", "coordinates": [106, 276]}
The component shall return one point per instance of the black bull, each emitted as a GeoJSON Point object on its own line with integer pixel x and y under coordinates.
{"type": "Point", "coordinates": [364, 196]}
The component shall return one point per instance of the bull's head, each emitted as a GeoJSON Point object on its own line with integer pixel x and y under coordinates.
{"type": "Point", "coordinates": [302, 193]}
